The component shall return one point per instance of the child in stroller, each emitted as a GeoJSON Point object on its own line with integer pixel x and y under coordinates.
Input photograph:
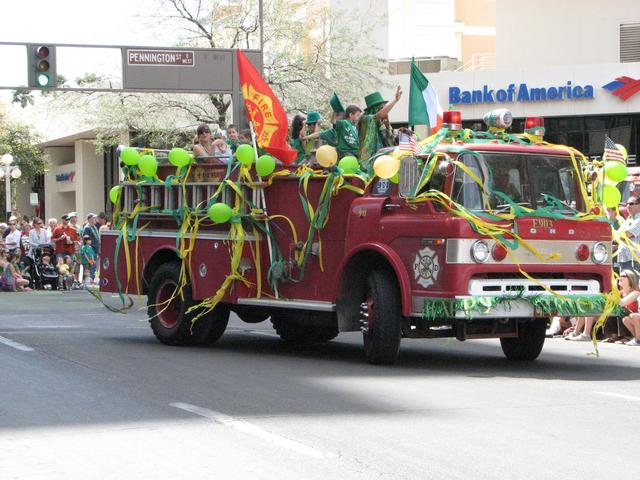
{"type": "Point", "coordinates": [44, 272]}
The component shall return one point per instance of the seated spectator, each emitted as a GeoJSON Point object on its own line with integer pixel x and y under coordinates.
{"type": "Point", "coordinates": [582, 330]}
{"type": "Point", "coordinates": [20, 283]}
{"type": "Point", "coordinates": [629, 291]}
{"type": "Point", "coordinates": [12, 240]}
{"type": "Point", "coordinates": [628, 281]}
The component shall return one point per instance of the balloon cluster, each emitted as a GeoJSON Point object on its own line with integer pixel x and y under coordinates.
{"type": "Point", "coordinates": [615, 171]}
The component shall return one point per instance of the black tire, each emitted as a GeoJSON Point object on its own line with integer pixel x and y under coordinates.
{"type": "Point", "coordinates": [529, 342]}
{"type": "Point", "coordinates": [381, 318]}
{"type": "Point", "coordinates": [170, 323]}
{"type": "Point", "coordinates": [305, 327]}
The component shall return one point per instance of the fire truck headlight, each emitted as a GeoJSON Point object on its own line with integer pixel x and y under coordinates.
{"type": "Point", "coordinates": [480, 251]}
{"type": "Point", "coordinates": [599, 253]}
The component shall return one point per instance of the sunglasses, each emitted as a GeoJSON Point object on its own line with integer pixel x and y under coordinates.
{"type": "Point", "coordinates": [11, 224]}
{"type": "Point", "coordinates": [632, 203]}
{"type": "Point", "coordinates": [204, 131]}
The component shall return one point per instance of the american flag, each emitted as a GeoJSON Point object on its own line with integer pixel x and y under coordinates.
{"type": "Point", "coordinates": [408, 142]}
{"type": "Point", "coordinates": [611, 152]}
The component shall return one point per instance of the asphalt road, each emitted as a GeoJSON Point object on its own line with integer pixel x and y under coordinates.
{"type": "Point", "coordinates": [90, 394]}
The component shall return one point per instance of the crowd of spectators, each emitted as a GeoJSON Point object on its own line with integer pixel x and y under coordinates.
{"type": "Point", "coordinates": [63, 255]}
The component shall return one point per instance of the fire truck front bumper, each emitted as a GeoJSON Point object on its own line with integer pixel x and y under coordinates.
{"type": "Point", "coordinates": [513, 298]}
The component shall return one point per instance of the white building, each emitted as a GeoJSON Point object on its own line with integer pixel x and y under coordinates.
{"type": "Point", "coordinates": [554, 59]}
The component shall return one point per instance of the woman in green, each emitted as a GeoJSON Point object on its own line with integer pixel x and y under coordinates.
{"type": "Point", "coordinates": [374, 129]}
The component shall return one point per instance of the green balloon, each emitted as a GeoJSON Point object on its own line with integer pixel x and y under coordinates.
{"type": "Point", "coordinates": [129, 156]}
{"type": "Point", "coordinates": [615, 171]}
{"type": "Point", "coordinates": [179, 157]}
{"type": "Point", "coordinates": [395, 179]}
{"type": "Point", "coordinates": [148, 165]}
{"type": "Point", "coordinates": [611, 196]}
{"type": "Point", "coordinates": [265, 165]}
{"type": "Point", "coordinates": [245, 154]}
{"type": "Point", "coordinates": [114, 193]}
{"type": "Point", "coordinates": [220, 212]}
{"type": "Point", "coordinates": [349, 164]}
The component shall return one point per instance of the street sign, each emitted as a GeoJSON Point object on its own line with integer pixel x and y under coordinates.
{"type": "Point", "coordinates": [174, 58]}
{"type": "Point", "coordinates": [180, 70]}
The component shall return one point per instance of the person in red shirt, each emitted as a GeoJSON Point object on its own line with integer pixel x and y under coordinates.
{"type": "Point", "coordinates": [63, 238]}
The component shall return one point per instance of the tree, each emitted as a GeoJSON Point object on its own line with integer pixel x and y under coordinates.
{"type": "Point", "coordinates": [18, 140]}
{"type": "Point", "coordinates": [307, 56]}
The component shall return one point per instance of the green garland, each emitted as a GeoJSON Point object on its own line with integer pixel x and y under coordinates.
{"type": "Point", "coordinates": [436, 309]}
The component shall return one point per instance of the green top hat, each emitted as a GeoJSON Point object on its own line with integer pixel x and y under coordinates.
{"type": "Point", "coordinates": [336, 104]}
{"type": "Point", "coordinates": [373, 99]}
{"type": "Point", "coordinates": [313, 117]}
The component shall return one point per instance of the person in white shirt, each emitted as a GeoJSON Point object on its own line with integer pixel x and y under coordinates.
{"type": "Point", "coordinates": [12, 240]}
{"type": "Point", "coordinates": [38, 235]}
{"type": "Point", "coordinates": [53, 223]}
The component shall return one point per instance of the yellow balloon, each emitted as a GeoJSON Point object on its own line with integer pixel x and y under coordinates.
{"type": "Point", "coordinates": [386, 166]}
{"type": "Point", "coordinates": [327, 156]}
{"type": "Point", "coordinates": [625, 154]}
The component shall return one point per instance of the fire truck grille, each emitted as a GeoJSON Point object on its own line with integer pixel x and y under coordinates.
{"type": "Point", "coordinates": [512, 286]}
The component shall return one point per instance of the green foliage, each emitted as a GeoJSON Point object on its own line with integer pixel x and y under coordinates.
{"type": "Point", "coordinates": [22, 96]}
{"type": "Point", "coordinates": [20, 141]}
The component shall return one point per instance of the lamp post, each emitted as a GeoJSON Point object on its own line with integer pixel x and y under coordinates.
{"type": "Point", "coordinates": [8, 172]}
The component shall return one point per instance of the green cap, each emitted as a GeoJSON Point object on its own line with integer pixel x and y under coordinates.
{"type": "Point", "coordinates": [336, 104]}
{"type": "Point", "coordinates": [313, 117]}
{"type": "Point", "coordinates": [373, 99]}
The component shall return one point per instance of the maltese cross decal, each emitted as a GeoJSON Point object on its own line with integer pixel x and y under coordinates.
{"type": "Point", "coordinates": [426, 267]}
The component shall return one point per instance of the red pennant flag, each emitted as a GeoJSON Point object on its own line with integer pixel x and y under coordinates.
{"type": "Point", "coordinates": [265, 112]}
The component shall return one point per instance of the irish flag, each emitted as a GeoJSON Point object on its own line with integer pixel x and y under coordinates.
{"type": "Point", "coordinates": [424, 107]}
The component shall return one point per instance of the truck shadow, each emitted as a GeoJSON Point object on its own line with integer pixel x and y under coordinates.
{"type": "Point", "coordinates": [443, 357]}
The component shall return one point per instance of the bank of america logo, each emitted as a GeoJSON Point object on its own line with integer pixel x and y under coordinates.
{"type": "Point", "coordinates": [623, 87]}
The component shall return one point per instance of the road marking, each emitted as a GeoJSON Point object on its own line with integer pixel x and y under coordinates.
{"type": "Point", "coordinates": [16, 345]}
{"type": "Point", "coordinates": [619, 395]}
{"type": "Point", "coordinates": [253, 430]}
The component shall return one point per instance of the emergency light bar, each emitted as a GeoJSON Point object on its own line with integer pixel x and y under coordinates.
{"type": "Point", "coordinates": [534, 125]}
{"type": "Point", "coordinates": [452, 119]}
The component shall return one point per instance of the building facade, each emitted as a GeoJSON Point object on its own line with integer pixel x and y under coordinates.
{"type": "Point", "coordinates": [576, 63]}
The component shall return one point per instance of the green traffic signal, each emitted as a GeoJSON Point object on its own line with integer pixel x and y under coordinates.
{"type": "Point", "coordinates": [42, 66]}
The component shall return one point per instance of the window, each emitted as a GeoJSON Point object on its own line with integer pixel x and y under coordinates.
{"type": "Point", "coordinates": [630, 42]}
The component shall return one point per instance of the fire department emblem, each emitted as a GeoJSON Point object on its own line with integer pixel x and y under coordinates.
{"type": "Point", "coordinates": [260, 109]}
{"type": "Point", "coordinates": [426, 267]}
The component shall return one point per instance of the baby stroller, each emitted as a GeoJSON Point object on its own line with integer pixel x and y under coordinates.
{"type": "Point", "coordinates": [44, 274]}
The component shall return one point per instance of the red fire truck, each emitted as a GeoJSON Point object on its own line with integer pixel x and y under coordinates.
{"type": "Point", "coordinates": [380, 262]}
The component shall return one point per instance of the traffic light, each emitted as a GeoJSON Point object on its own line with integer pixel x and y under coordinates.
{"type": "Point", "coordinates": [42, 66]}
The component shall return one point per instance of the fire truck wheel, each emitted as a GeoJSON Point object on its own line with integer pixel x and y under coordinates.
{"type": "Point", "coordinates": [305, 327]}
{"type": "Point", "coordinates": [381, 318]}
{"type": "Point", "coordinates": [528, 344]}
{"type": "Point", "coordinates": [170, 323]}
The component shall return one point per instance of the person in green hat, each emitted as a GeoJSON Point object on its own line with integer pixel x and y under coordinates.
{"type": "Point", "coordinates": [374, 129]}
{"type": "Point", "coordinates": [313, 119]}
{"type": "Point", "coordinates": [344, 132]}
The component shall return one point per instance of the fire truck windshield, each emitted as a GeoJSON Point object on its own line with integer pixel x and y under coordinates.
{"type": "Point", "coordinates": [529, 180]}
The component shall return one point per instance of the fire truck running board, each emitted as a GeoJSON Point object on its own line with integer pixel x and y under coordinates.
{"type": "Point", "coordinates": [295, 304]}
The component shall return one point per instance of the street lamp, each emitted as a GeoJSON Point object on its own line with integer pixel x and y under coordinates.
{"type": "Point", "coordinates": [8, 172]}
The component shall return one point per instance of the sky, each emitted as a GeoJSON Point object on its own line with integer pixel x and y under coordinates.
{"type": "Point", "coordinates": [113, 22]}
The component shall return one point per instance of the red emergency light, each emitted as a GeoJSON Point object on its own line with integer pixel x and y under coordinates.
{"type": "Point", "coordinates": [452, 120]}
{"type": "Point", "coordinates": [499, 252]}
{"type": "Point", "coordinates": [534, 125]}
{"type": "Point", "coordinates": [582, 252]}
